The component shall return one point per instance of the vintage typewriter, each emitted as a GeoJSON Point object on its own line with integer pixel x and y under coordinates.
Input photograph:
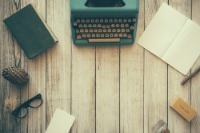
{"type": "Point", "coordinates": [104, 21]}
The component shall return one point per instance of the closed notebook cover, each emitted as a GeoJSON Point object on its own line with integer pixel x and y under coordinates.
{"type": "Point", "coordinates": [30, 31]}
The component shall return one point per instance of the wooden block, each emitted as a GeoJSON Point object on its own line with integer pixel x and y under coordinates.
{"type": "Point", "coordinates": [184, 109]}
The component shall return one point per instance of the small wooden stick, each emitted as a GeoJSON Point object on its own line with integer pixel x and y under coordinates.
{"type": "Point", "coordinates": [190, 76]}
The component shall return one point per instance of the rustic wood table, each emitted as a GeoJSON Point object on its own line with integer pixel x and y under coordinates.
{"type": "Point", "coordinates": [109, 89]}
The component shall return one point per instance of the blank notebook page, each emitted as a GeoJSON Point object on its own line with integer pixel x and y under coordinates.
{"type": "Point", "coordinates": [185, 49]}
{"type": "Point", "coordinates": [172, 37]}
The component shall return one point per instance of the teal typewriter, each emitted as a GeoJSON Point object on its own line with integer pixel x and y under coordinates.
{"type": "Point", "coordinates": [96, 22]}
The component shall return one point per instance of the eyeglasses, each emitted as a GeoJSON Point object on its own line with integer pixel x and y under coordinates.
{"type": "Point", "coordinates": [22, 110]}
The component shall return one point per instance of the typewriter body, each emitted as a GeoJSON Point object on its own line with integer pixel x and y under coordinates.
{"type": "Point", "coordinates": [104, 21]}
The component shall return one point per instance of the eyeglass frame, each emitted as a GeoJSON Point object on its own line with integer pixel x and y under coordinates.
{"type": "Point", "coordinates": [25, 105]}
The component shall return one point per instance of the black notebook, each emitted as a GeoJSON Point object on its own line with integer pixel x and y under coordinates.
{"type": "Point", "coordinates": [31, 32]}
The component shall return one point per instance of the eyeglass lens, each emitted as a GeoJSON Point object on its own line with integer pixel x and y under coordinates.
{"type": "Point", "coordinates": [36, 103]}
{"type": "Point", "coordinates": [22, 112]}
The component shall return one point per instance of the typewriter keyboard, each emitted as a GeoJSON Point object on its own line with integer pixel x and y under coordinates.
{"type": "Point", "coordinates": [104, 30]}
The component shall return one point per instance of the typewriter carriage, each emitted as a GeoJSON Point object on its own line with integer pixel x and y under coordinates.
{"type": "Point", "coordinates": [81, 10]}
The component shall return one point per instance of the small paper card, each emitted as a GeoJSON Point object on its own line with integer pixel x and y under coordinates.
{"type": "Point", "coordinates": [61, 122]}
{"type": "Point", "coordinates": [172, 37]}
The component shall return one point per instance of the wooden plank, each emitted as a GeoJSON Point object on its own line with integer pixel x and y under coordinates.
{"type": "Point", "coordinates": [155, 78]}
{"type": "Point", "coordinates": [107, 89]}
{"type": "Point", "coordinates": [131, 82]}
{"type": "Point", "coordinates": [177, 123]}
{"type": "Point", "coordinates": [83, 89]}
{"type": "Point", "coordinates": [37, 81]}
{"type": "Point", "coordinates": [195, 91]}
{"type": "Point", "coordinates": [9, 56]}
{"type": "Point", "coordinates": [58, 89]}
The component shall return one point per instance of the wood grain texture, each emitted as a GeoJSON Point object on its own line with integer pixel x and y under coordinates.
{"type": "Point", "coordinates": [10, 56]}
{"type": "Point", "coordinates": [107, 89]}
{"type": "Point", "coordinates": [195, 85]}
{"type": "Point", "coordinates": [37, 82]}
{"type": "Point", "coordinates": [177, 123]}
{"type": "Point", "coordinates": [155, 79]}
{"type": "Point", "coordinates": [131, 82]}
{"type": "Point", "coordinates": [58, 89]}
{"type": "Point", "coordinates": [83, 89]}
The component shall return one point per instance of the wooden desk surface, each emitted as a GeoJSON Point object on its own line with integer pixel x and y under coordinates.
{"type": "Point", "coordinates": [109, 89]}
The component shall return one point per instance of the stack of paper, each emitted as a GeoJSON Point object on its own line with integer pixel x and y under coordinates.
{"type": "Point", "coordinates": [172, 37]}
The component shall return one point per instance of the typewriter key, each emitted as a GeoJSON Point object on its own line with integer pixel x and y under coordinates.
{"type": "Point", "coordinates": [82, 20]}
{"type": "Point", "coordinates": [91, 30]}
{"type": "Point", "coordinates": [78, 37]}
{"type": "Point", "coordinates": [127, 30]}
{"type": "Point", "coordinates": [88, 35]}
{"type": "Point", "coordinates": [97, 35]}
{"type": "Point", "coordinates": [124, 35]}
{"type": "Point", "coordinates": [123, 30]}
{"type": "Point", "coordinates": [96, 20]}
{"type": "Point", "coordinates": [110, 20]}
{"type": "Point", "coordinates": [78, 20]}
{"type": "Point", "coordinates": [107, 35]}
{"type": "Point", "coordinates": [92, 20]}
{"type": "Point", "coordinates": [94, 25]}
{"type": "Point", "coordinates": [112, 25]}
{"type": "Point", "coordinates": [99, 25]}
{"type": "Point", "coordinates": [131, 27]}
{"type": "Point", "coordinates": [93, 35]}
{"type": "Point", "coordinates": [81, 30]}
{"type": "Point", "coordinates": [87, 21]}
{"type": "Point", "coordinates": [134, 20]}
{"type": "Point", "coordinates": [104, 30]}
{"type": "Point", "coordinates": [126, 25]}
{"type": "Point", "coordinates": [129, 20]}
{"type": "Point", "coordinates": [101, 20]}
{"type": "Point", "coordinates": [85, 25]}
{"type": "Point", "coordinates": [107, 26]}
{"type": "Point", "coordinates": [84, 35]}
{"type": "Point", "coordinates": [125, 20]}
{"type": "Point", "coordinates": [86, 30]}
{"type": "Point", "coordinates": [77, 31]}
{"type": "Point", "coordinates": [80, 25]}
{"type": "Point", "coordinates": [129, 36]}
{"type": "Point", "coordinates": [75, 24]}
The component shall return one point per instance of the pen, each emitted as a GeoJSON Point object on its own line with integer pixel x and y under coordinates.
{"type": "Point", "coordinates": [190, 76]}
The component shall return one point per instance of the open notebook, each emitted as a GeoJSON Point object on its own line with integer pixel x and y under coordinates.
{"type": "Point", "coordinates": [172, 37]}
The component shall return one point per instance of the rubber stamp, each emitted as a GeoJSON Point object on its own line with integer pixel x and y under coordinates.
{"type": "Point", "coordinates": [184, 109]}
